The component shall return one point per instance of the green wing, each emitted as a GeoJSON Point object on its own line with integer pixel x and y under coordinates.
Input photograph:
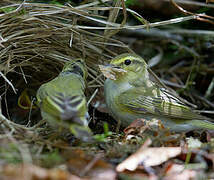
{"type": "Point", "coordinates": [62, 97]}
{"type": "Point", "coordinates": [163, 103]}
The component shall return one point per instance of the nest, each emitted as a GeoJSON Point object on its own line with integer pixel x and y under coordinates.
{"type": "Point", "coordinates": [37, 39]}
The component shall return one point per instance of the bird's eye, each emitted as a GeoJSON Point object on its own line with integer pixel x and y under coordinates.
{"type": "Point", "coordinates": [127, 62]}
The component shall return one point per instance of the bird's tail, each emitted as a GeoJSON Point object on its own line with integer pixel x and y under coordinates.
{"type": "Point", "coordinates": [72, 112]}
{"type": "Point", "coordinates": [82, 132]}
{"type": "Point", "coordinates": [203, 124]}
{"type": "Point", "coordinates": [69, 109]}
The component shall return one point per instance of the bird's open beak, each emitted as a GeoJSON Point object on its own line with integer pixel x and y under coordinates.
{"type": "Point", "coordinates": [110, 71]}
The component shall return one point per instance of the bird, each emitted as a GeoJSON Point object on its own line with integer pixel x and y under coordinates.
{"type": "Point", "coordinates": [131, 92]}
{"type": "Point", "coordinates": [63, 103]}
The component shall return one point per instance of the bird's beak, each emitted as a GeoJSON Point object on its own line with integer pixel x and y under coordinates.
{"type": "Point", "coordinates": [111, 71]}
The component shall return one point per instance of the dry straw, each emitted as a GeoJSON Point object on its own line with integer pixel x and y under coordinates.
{"type": "Point", "coordinates": [36, 39]}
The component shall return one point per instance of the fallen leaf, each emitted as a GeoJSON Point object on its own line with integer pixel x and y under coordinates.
{"type": "Point", "coordinates": [134, 127]}
{"type": "Point", "coordinates": [148, 157]}
{"type": "Point", "coordinates": [178, 171]}
{"type": "Point", "coordinates": [140, 125]}
{"type": "Point", "coordinates": [29, 171]}
{"type": "Point", "coordinates": [137, 175]}
{"type": "Point", "coordinates": [93, 167]}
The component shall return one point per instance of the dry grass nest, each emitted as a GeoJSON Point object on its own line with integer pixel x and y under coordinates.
{"type": "Point", "coordinates": [37, 39]}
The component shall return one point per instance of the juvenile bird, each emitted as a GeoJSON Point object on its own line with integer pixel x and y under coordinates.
{"type": "Point", "coordinates": [63, 103]}
{"type": "Point", "coordinates": [131, 92]}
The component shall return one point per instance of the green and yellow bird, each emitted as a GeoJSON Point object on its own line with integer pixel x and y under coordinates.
{"type": "Point", "coordinates": [131, 92]}
{"type": "Point", "coordinates": [63, 103]}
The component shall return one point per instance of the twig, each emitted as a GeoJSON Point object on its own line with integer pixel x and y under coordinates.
{"type": "Point", "coordinates": [204, 111]}
{"type": "Point", "coordinates": [172, 84]}
{"type": "Point", "coordinates": [192, 32]}
{"type": "Point", "coordinates": [153, 33]}
{"type": "Point", "coordinates": [206, 101]}
{"type": "Point", "coordinates": [90, 165]}
{"type": "Point", "coordinates": [192, 3]}
{"type": "Point", "coordinates": [200, 17]}
{"type": "Point", "coordinates": [189, 50]}
{"type": "Point", "coordinates": [209, 89]}
{"type": "Point", "coordinates": [92, 97]}
{"type": "Point", "coordinates": [11, 85]}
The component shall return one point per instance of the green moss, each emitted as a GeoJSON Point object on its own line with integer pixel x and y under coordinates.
{"type": "Point", "coordinates": [132, 2]}
{"type": "Point", "coordinates": [10, 154]}
{"type": "Point", "coordinates": [7, 9]}
{"type": "Point", "coordinates": [50, 159]}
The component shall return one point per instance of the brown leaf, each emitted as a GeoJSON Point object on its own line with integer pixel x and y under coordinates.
{"type": "Point", "coordinates": [138, 175]}
{"type": "Point", "coordinates": [140, 125]}
{"type": "Point", "coordinates": [29, 171]}
{"type": "Point", "coordinates": [134, 127]}
{"type": "Point", "coordinates": [84, 165]}
{"type": "Point", "coordinates": [149, 157]}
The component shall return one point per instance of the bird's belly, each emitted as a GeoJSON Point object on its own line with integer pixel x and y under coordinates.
{"type": "Point", "coordinates": [126, 118]}
{"type": "Point", "coordinates": [111, 91]}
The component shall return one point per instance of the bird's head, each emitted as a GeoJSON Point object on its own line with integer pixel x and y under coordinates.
{"type": "Point", "coordinates": [125, 66]}
{"type": "Point", "coordinates": [76, 66]}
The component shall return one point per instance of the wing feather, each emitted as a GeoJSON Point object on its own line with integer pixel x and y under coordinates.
{"type": "Point", "coordinates": [163, 104]}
